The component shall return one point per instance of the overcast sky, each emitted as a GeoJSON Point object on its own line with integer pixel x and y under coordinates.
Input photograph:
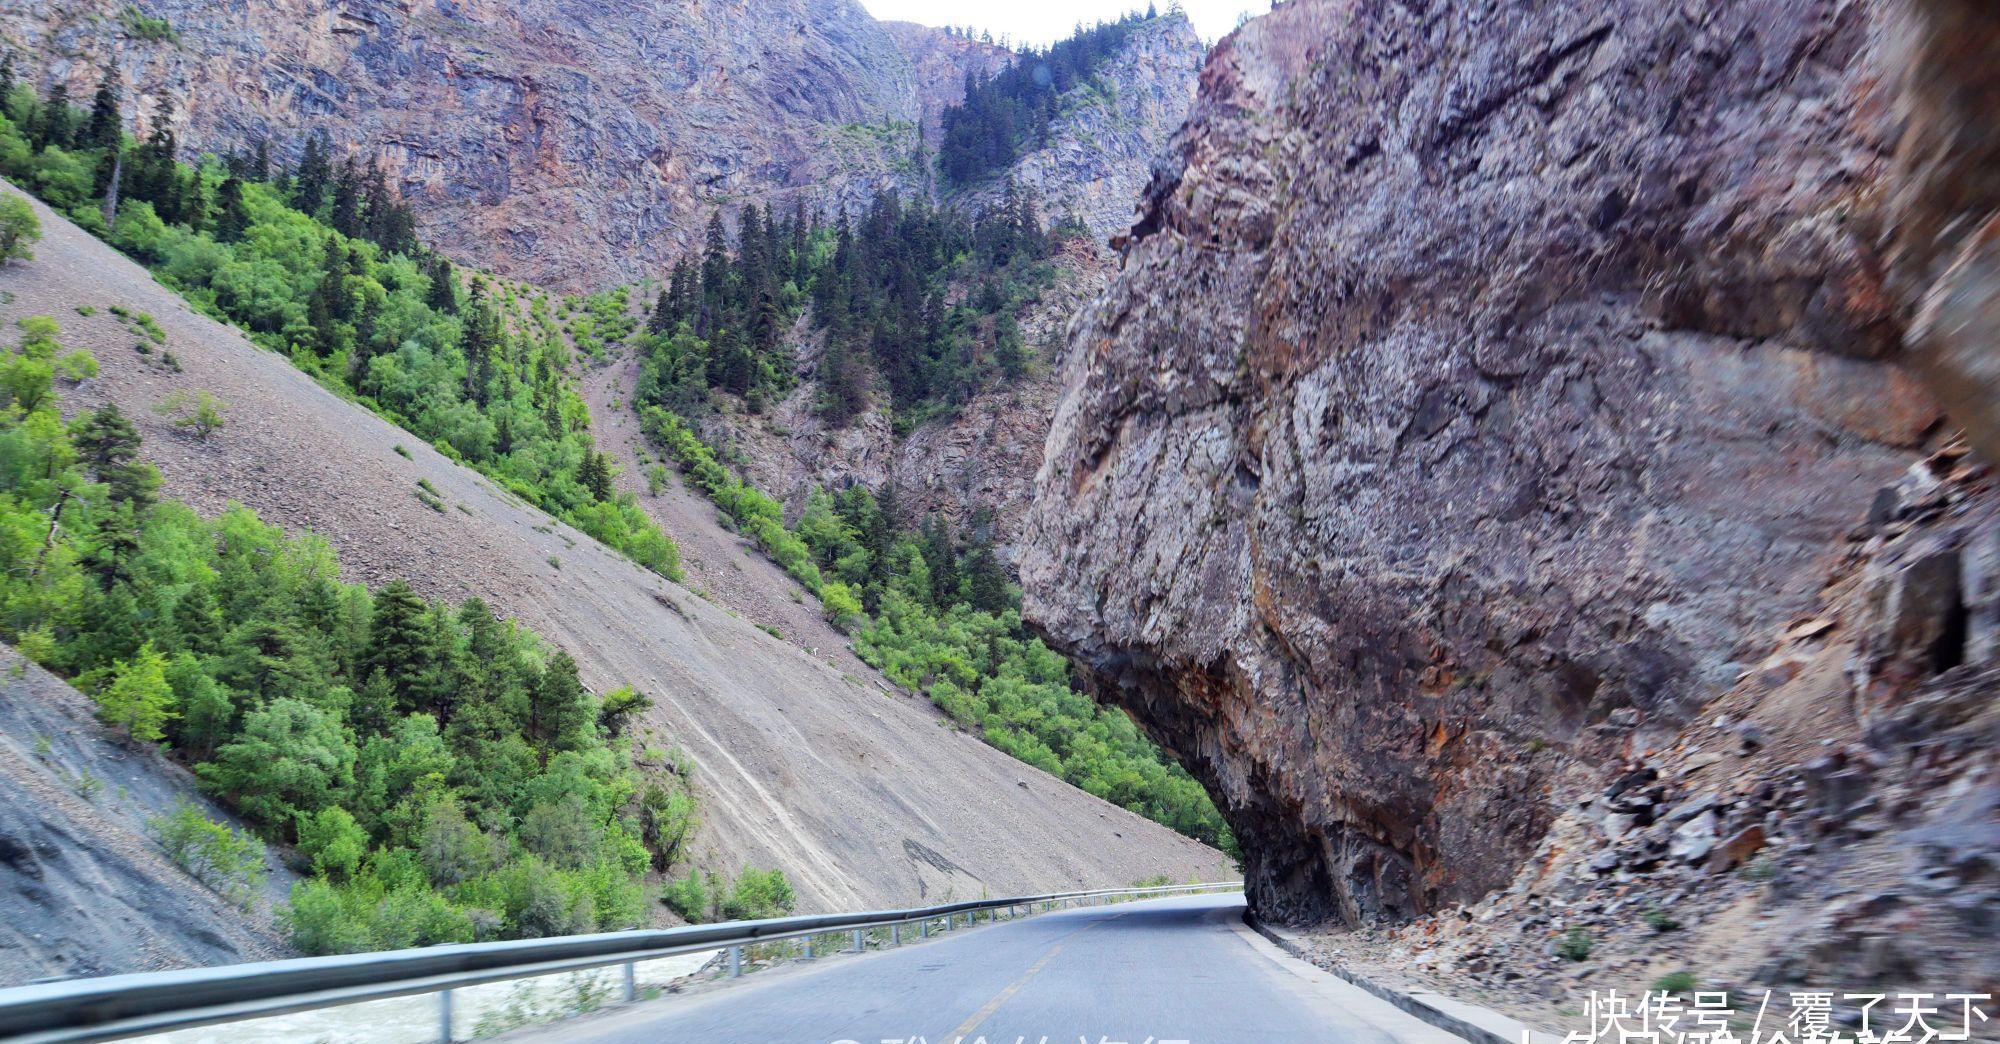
{"type": "Point", "coordinates": [1044, 21]}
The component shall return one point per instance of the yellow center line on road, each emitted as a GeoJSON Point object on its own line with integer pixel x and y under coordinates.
{"type": "Point", "coordinates": [986, 1012]}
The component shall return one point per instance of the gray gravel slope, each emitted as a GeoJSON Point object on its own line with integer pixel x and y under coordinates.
{"type": "Point", "coordinates": [83, 890]}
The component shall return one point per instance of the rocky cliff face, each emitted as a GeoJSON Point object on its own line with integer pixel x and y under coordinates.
{"type": "Point", "coordinates": [1102, 142]}
{"type": "Point", "coordinates": [564, 142]}
{"type": "Point", "coordinates": [1480, 376]}
{"type": "Point", "coordinates": [1096, 159]}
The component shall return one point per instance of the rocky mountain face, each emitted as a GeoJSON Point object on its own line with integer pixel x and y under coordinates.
{"type": "Point", "coordinates": [1095, 160]}
{"type": "Point", "coordinates": [573, 144]}
{"type": "Point", "coordinates": [563, 142]}
{"type": "Point", "coordinates": [1489, 391]}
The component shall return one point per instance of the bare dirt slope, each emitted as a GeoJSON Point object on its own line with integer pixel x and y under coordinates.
{"type": "Point", "coordinates": [861, 797]}
{"type": "Point", "coordinates": [717, 560]}
{"type": "Point", "coordinates": [83, 890]}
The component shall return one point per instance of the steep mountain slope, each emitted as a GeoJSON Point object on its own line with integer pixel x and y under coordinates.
{"type": "Point", "coordinates": [863, 798]}
{"type": "Point", "coordinates": [1481, 380]}
{"type": "Point", "coordinates": [563, 142]}
{"type": "Point", "coordinates": [1092, 163]}
{"type": "Point", "coordinates": [83, 890]}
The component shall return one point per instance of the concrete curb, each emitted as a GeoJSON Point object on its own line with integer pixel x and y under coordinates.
{"type": "Point", "coordinates": [1469, 1022]}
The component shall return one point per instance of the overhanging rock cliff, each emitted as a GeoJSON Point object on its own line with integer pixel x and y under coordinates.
{"type": "Point", "coordinates": [1477, 372]}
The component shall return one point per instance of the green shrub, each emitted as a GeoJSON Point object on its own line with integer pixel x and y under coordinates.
{"type": "Point", "coordinates": [1659, 920]}
{"type": "Point", "coordinates": [1680, 982]}
{"type": "Point", "coordinates": [1574, 945]}
{"type": "Point", "coordinates": [690, 896]}
{"type": "Point", "coordinates": [333, 841]}
{"type": "Point", "coordinates": [145, 27]}
{"type": "Point", "coordinates": [20, 229]}
{"type": "Point", "coordinates": [199, 412]}
{"type": "Point", "coordinates": [229, 862]}
{"type": "Point", "coordinates": [758, 894]}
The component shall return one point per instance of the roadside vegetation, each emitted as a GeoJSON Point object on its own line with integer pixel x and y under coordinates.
{"type": "Point", "coordinates": [320, 262]}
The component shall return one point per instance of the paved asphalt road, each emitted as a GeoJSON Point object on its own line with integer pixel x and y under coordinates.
{"type": "Point", "coordinates": [1183, 969]}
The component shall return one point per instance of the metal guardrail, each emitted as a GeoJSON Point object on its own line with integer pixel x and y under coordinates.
{"type": "Point", "coordinates": [115, 1006]}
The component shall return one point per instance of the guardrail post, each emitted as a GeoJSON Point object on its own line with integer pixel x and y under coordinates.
{"type": "Point", "coordinates": [924, 928]}
{"type": "Point", "coordinates": [859, 945]}
{"type": "Point", "coordinates": [631, 982]}
{"type": "Point", "coordinates": [895, 935]}
{"type": "Point", "coordinates": [735, 961]}
{"type": "Point", "coordinates": [444, 1017]}
{"type": "Point", "coordinates": [809, 947]}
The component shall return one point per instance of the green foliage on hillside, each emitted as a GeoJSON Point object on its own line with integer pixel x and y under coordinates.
{"type": "Point", "coordinates": [20, 229]}
{"type": "Point", "coordinates": [145, 27]}
{"type": "Point", "coordinates": [447, 776]}
{"type": "Point", "coordinates": [600, 321]}
{"type": "Point", "coordinates": [230, 862]}
{"type": "Point", "coordinates": [321, 263]}
{"type": "Point", "coordinates": [914, 300]}
{"type": "Point", "coordinates": [1005, 115]}
{"type": "Point", "coordinates": [940, 616]}
{"type": "Point", "coordinates": [712, 896]}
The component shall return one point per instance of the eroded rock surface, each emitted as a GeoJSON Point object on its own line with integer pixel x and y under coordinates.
{"type": "Point", "coordinates": [976, 465]}
{"type": "Point", "coordinates": [569, 143]}
{"type": "Point", "coordinates": [1476, 372]}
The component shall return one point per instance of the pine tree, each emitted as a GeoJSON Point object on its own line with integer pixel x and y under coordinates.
{"type": "Point", "coordinates": [54, 122]}
{"type": "Point", "coordinates": [557, 713]}
{"type": "Point", "coordinates": [985, 581]}
{"type": "Point", "coordinates": [552, 415]}
{"type": "Point", "coordinates": [309, 184]}
{"type": "Point", "coordinates": [139, 700]}
{"type": "Point", "coordinates": [345, 216]}
{"type": "Point", "coordinates": [106, 125]}
{"type": "Point", "coordinates": [482, 343]}
{"type": "Point", "coordinates": [155, 177]}
{"type": "Point", "coordinates": [330, 302]}
{"type": "Point", "coordinates": [596, 476]}
{"type": "Point", "coordinates": [402, 645]}
{"type": "Point", "coordinates": [193, 210]}
{"type": "Point", "coordinates": [108, 445]}
{"type": "Point", "coordinates": [443, 296]}
{"type": "Point", "coordinates": [197, 624]}
{"type": "Point", "coordinates": [232, 217]}
{"type": "Point", "coordinates": [264, 658]}
{"type": "Point", "coordinates": [112, 548]}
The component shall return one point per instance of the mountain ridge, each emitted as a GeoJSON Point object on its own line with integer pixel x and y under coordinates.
{"type": "Point", "coordinates": [564, 143]}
